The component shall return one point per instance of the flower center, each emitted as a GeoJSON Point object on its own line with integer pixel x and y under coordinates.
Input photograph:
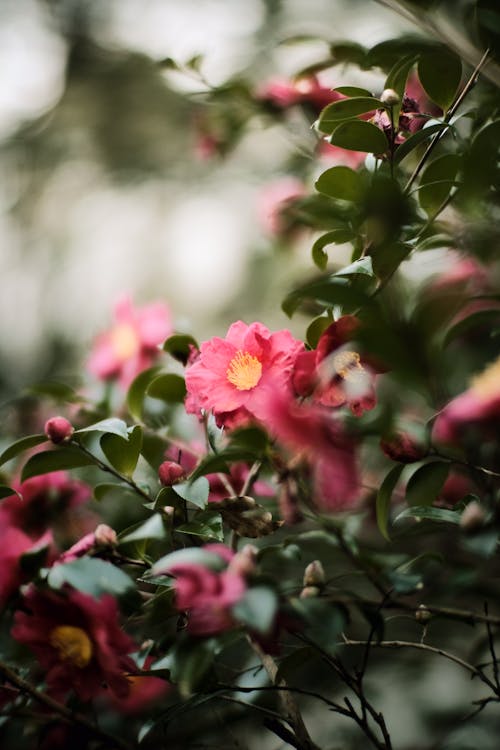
{"type": "Point", "coordinates": [487, 384]}
{"type": "Point", "coordinates": [72, 644]}
{"type": "Point", "coordinates": [244, 371]}
{"type": "Point", "coordinates": [124, 341]}
{"type": "Point", "coordinates": [347, 365]}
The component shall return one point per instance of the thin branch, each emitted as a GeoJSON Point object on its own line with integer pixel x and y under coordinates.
{"type": "Point", "coordinates": [491, 645]}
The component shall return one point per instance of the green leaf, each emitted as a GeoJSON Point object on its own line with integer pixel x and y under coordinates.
{"type": "Point", "coordinates": [384, 498]}
{"type": "Point", "coordinates": [195, 492]}
{"type": "Point", "coordinates": [112, 426]}
{"type": "Point", "coordinates": [342, 183]}
{"type": "Point", "coordinates": [482, 318]}
{"type": "Point", "coordinates": [430, 514]}
{"type": "Point", "coordinates": [397, 78]}
{"type": "Point", "coordinates": [66, 457]}
{"type": "Point", "coordinates": [152, 528]}
{"type": "Point", "coordinates": [426, 482]}
{"type": "Point", "coordinates": [440, 73]}
{"type": "Point", "coordinates": [123, 454]}
{"type": "Point", "coordinates": [323, 621]}
{"type": "Point", "coordinates": [92, 576]}
{"type": "Point", "coordinates": [254, 440]}
{"type": "Point", "coordinates": [315, 329]}
{"type": "Point", "coordinates": [6, 491]}
{"type": "Point", "coordinates": [346, 109]}
{"type": "Point", "coordinates": [414, 140]}
{"type": "Point", "coordinates": [352, 91]}
{"type": "Point", "coordinates": [137, 391]}
{"type": "Point", "coordinates": [362, 266]}
{"type": "Point", "coordinates": [289, 665]}
{"type": "Point", "coordinates": [24, 444]}
{"type": "Point", "coordinates": [168, 387]}
{"type": "Point", "coordinates": [102, 490]}
{"type": "Point", "coordinates": [257, 610]}
{"type": "Point", "coordinates": [153, 449]}
{"type": "Point", "coordinates": [358, 135]}
{"type": "Point", "coordinates": [178, 346]}
{"type": "Point", "coordinates": [207, 525]}
{"type": "Point", "coordinates": [348, 52]}
{"type": "Point", "coordinates": [437, 181]}
{"type": "Point", "coordinates": [188, 556]}
{"type": "Point", "coordinates": [58, 391]}
{"type": "Point", "coordinates": [335, 237]}
{"type": "Point", "coordinates": [334, 290]}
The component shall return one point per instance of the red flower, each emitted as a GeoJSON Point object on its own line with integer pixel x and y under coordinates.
{"type": "Point", "coordinates": [230, 373]}
{"type": "Point", "coordinates": [144, 692]}
{"type": "Point", "coordinates": [13, 544]}
{"type": "Point", "coordinates": [131, 345]}
{"type": "Point", "coordinates": [77, 640]}
{"type": "Point", "coordinates": [273, 201]}
{"type": "Point", "coordinates": [333, 374]}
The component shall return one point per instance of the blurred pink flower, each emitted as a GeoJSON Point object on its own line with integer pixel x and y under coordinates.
{"type": "Point", "coordinates": [13, 544]}
{"type": "Point", "coordinates": [284, 93]}
{"type": "Point", "coordinates": [478, 405]}
{"type": "Point", "coordinates": [333, 374]}
{"type": "Point", "coordinates": [144, 692]}
{"type": "Point", "coordinates": [273, 201]}
{"type": "Point", "coordinates": [311, 432]}
{"type": "Point", "coordinates": [131, 345]}
{"type": "Point", "coordinates": [104, 537]}
{"type": "Point", "coordinates": [230, 372]}
{"type": "Point", "coordinates": [337, 156]}
{"type": "Point", "coordinates": [77, 640]}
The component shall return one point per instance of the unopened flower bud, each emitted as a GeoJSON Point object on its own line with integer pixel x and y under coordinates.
{"type": "Point", "coordinates": [473, 516]}
{"type": "Point", "coordinates": [314, 574]}
{"type": "Point", "coordinates": [170, 472]}
{"type": "Point", "coordinates": [389, 97]}
{"type": "Point", "coordinates": [309, 591]}
{"type": "Point", "coordinates": [169, 511]}
{"type": "Point", "coordinates": [245, 561]}
{"type": "Point", "coordinates": [403, 447]}
{"type": "Point", "coordinates": [58, 430]}
{"type": "Point", "coordinates": [422, 614]}
{"type": "Point", "coordinates": [105, 536]}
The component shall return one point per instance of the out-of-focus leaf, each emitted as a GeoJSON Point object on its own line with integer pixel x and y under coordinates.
{"type": "Point", "coordinates": [92, 576]}
{"type": "Point", "coordinates": [384, 498]}
{"type": "Point", "coordinates": [437, 182]}
{"type": "Point", "coordinates": [440, 73]}
{"type": "Point", "coordinates": [315, 329]}
{"type": "Point", "coordinates": [479, 318]}
{"type": "Point", "coordinates": [414, 140]}
{"type": "Point", "coordinates": [348, 52]}
{"type": "Point", "coordinates": [333, 290]}
{"type": "Point", "coordinates": [152, 528]}
{"type": "Point", "coordinates": [335, 237]}
{"type": "Point", "coordinates": [426, 482]}
{"type": "Point", "coordinates": [123, 454]}
{"type": "Point", "coordinates": [430, 514]}
{"type": "Point", "coordinates": [358, 135]}
{"type": "Point", "coordinates": [207, 525]}
{"type": "Point", "coordinates": [102, 490]}
{"type": "Point", "coordinates": [137, 391]}
{"type": "Point", "coordinates": [153, 449]}
{"type": "Point", "coordinates": [24, 444]}
{"type": "Point", "coordinates": [344, 184]}
{"type": "Point", "coordinates": [396, 80]}
{"type": "Point", "coordinates": [58, 391]}
{"type": "Point", "coordinates": [55, 460]}
{"type": "Point", "coordinates": [323, 621]}
{"type": "Point", "coordinates": [113, 426]}
{"type": "Point", "coordinates": [6, 491]}
{"type": "Point", "coordinates": [179, 346]}
{"type": "Point", "coordinates": [195, 492]}
{"type": "Point", "coordinates": [346, 109]}
{"type": "Point", "coordinates": [188, 556]}
{"type": "Point", "coordinates": [168, 387]}
{"type": "Point", "coordinates": [289, 664]}
{"type": "Point", "coordinates": [257, 609]}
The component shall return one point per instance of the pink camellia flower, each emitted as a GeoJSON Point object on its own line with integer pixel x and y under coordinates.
{"type": "Point", "coordinates": [14, 543]}
{"type": "Point", "coordinates": [45, 499]}
{"type": "Point", "coordinates": [313, 435]}
{"type": "Point", "coordinates": [333, 374]}
{"type": "Point", "coordinates": [131, 345]}
{"type": "Point", "coordinates": [478, 405]}
{"type": "Point", "coordinates": [77, 640]}
{"type": "Point", "coordinates": [230, 373]}
{"type": "Point", "coordinates": [58, 430]}
{"type": "Point", "coordinates": [273, 202]}
{"type": "Point", "coordinates": [337, 156]}
{"type": "Point", "coordinates": [104, 537]}
{"type": "Point", "coordinates": [308, 90]}
{"type": "Point", "coordinates": [207, 595]}
{"type": "Point", "coordinates": [144, 692]}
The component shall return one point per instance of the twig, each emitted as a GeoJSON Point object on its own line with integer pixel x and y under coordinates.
{"type": "Point", "coordinates": [491, 645]}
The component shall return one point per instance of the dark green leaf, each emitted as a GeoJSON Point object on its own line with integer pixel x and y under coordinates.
{"type": "Point", "coordinates": [426, 482]}
{"type": "Point", "coordinates": [290, 664]}
{"type": "Point", "coordinates": [58, 391]}
{"type": "Point", "coordinates": [437, 182]}
{"type": "Point", "coordinates": [188, 556]}
{"type": "Point", "coordinates": [257, 609]}
{"type": "Point", "coordinates": [137, 391]}
{"type": "Point", "coordinates": [21, 445]}
{"type": "Point", "coordinates": [416, 139]}
{"type": "Point", "coordinates": [207, 525]}
{"type": "Point", "coordinates": [362, 266]}
{"type": "Point", "coordinates": [113, 426]}
{"type": "Point", "coordinates": [55, 460]}
{"type": "Point", "coordinates": [384, 498]}
{"type": "Point", "coordinates": [315, 329]}
{"type": "Point", "coordinates": [169, 387]}
{"type": "Point", "coordinates": [396, 80]}
{"type": "Point", "coordinates": [346, 109]}
{"type": "Point", "coordinates": [440, 73]}
{"type": "Point", "coordinates": [482, 318]}
{"type": "Point", "coordinates": [92, 576]}
{"type": "Point", "coordinates": [334, 290]}
{"type": "Point", "coordinates": [179, 346]}
{"type": "Point", "coordinates": [123, 454]}
{"type": "Point", "coordinates": [104, 489]}
{"type": "Point", "coordinates": [196, 492]}
{"type": "Point", "coordinates": [342, 183]}
{"type": "Point", "coordinates": [153, 528]}
{"type": "Point", "coordinates": [358, 135]}
{"type": "Point", "coordinates": [8, 492]}
{"type": "Point", "coordinates": [348, 52]}
{"type": "Point", "coordinates": [429, 513]}
{"type": "Point", "coordinates": [323, 620]}
{"type": "Point", "coordinates": [352, 91]}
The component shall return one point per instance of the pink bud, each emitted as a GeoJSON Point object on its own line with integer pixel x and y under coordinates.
{"type": "Point", "coordinates": [105, 536]}
{"type": "Point", "coordinates": [314, 574]}
{"type": "Point", "coordinates": [473, 517]}
{"type": "Point", "coordinates": [58, 430]}
{"type": "Point", "coordinates": [245, 561]}
{"type": "Point", "coordinates": [170, 473]}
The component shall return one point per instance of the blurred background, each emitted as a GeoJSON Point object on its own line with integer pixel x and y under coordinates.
{"type": "Point", "coordinates": [107, 186]}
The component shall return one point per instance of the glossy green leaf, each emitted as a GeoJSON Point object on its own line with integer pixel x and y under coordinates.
{"type": "Point", "coordinates": [335, 237]}
{"type": "Point", "coordinates": [353, 91]}
{"type": "Point", "coordinates": [24, 444]}
{"type": "Point", "coordinates": [195, 492]}
{"type": "Point", "coordinates": [334, 290]}
{"type": "Point", "coordinates": [384, 497]}
{"type": "Point", "coordinates": [437, 182]}
{"type": "Point", "coordinates": [169, 387]}
{"type": "Point", "coordinates": [113, 426]}
{"type": "Point", "coordinates": [342, 183]}
{"type": "Point", "coordinates": [346, 109]}
{"type": "Point", "coordinates": [430, 514]}
{"type": "Point", "coordinates": [362, 266]}
{"type": "Point", "coordinates": [440, 73]}
{"type": "Point", "coordinates": [92, 576]}
{"type": "Point", "coordinates": [414, 140]}
{"type": "Point", "coordinates": [188, 556]}
{"type": "Point", "coordinates": [257, 610]}
{"type": "Point", "coordinates": [426, 482]}
{"type": "Point", "coordinates": [358, 135]}
{"type": "Point", "coordinates": [315, 329]}
{"type": "Point", "coordinates": [123, 454]}
{"type": "Point", "coordinates": [137, 391]}
{"type": "Point", "coordinates": [179, 346]}
{"type": "Point", "coordinates": [152, 528]}
{"type": "Point", "coordinates": [207, 525]}
{"type": "Point", "coordinates": [66, 457]}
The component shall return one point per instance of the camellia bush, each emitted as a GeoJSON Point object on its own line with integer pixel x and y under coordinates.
{"type": "Point", "coordinates": [278, 535]}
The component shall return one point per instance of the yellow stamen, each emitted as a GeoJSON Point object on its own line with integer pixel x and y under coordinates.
{"type": "Point", "coordinates": [125, 341]}
{"type": "Point", "coordinates": [72, 644]}
{"type": "Point", "coordinates": [347, 365]}
{"type": "Point", "coordinates": [487, 384]}
{"type": "Point", "coordinates": [244, 371]}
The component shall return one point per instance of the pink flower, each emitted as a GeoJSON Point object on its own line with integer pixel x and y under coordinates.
{"type": "Point", "coordinates": [104, 537]}
{"type": "Point", "coordinates": [311, 432]}
{"type": "Point", "coordinates": [273, 202]}
{"type": "Point", "coordinates": [478, 405]}
{"type": "Point", "coordinates": [334, 374]}
{"type": "Point", "coordinates": [283, 93]}
{"type": "Point", "coordinates": [144, 692]}
{"type": "Point", "coordinates": [45, 499]}
{"type": "Point", "coordinates": [207, 595]}
{"type": "Point", "coordinates": [131, 345]}
{"type": "Point", "coordinates": [14, 543]}
{"type": "Point", "coordinates": [77, 640]}
{"type": "Point", "coordinates": [230, 373]}
{"type": "Point", "coordinates": [337, 156]}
